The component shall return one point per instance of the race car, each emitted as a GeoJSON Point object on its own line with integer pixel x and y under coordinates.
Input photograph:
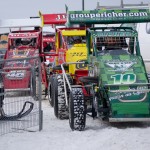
{"type": "Point", "coordinates": [17, 73]}
{"type": "Point", "coordinates": [21, 45]}
{"type": "Point", "coordinates": [117, 79]}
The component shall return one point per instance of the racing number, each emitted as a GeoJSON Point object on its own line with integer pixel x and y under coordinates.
{"type": "Point", "coordinates": [59, 17]}
{"type": "Point", "coordinates": [124, 78]}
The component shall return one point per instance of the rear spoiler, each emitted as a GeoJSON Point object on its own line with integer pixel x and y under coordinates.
{"type": "Point", "coordinates": [109, 16]}
{"type": "Point", "coordinates": [53, 19]}
{"type": "Point", "coordinates": [19, 23]}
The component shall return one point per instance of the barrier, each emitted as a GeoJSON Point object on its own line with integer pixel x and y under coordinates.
{"type": "Point", "coordinates": [20, 95]}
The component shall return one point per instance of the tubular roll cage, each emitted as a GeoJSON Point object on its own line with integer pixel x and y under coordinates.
{"type": "Point", "coordinates": [124, 15]}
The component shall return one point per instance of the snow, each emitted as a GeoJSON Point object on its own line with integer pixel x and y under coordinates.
{"type": "Point", "coordinates": [98, 135]}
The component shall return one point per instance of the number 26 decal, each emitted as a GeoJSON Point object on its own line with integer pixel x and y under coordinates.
{"type": "Point", "coordinates": [128, 78]}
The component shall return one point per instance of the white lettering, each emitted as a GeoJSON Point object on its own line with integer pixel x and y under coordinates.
{"type": "Point", "coordinates": [105, 14]}
{"type": "Point", "coordinates": [86, 15]}
{"type": "Point", "coordinates": [81, 15]}
{"type": "Point", "coordinates": [98, 15]}
{"type": "Point", "coordinates": [92, 15]}
{"type": "Point", "coordinates": [115, 14]}
{"type": "Point", "coordinates": [120, 14]}
{"type": "Point", "coordinates": [72, 16]}
{"type": "Point", "coordinates": [109, 15]}
{"type": "Point", "coordinates": [143, 14]}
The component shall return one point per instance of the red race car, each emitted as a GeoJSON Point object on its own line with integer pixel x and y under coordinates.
{"type": "Point", "coordinates": [20, 61]}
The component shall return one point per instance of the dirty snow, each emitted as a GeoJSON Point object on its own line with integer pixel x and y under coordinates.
{"type": "Point", "coordinates": [98, 135]}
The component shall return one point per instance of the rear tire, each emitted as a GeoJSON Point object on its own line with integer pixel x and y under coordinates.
{"type": "Point", "coordinates": [1, 89]}
{"type": "Point", "coordinates": [77, 110]}
{"type": "Point", "coordinates": [51, 91]}
{"type": "Point", "coordinates": [60, 108]}
{"type": "Point", "coordinates": [1, 98]}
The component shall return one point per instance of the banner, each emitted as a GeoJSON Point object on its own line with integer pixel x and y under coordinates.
{"type": "Point", "coordinates": [109, 16]}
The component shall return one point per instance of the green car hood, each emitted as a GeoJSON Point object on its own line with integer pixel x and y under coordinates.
{"type": "Point", "coordinates": [124, 78]}
{"type": "Point", "coordinates": [122, 72]}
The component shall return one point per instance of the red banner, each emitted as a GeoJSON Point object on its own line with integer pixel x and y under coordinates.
{"type": "Point", "coordinates": [53, 19]}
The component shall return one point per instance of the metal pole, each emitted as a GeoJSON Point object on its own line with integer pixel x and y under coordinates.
{"type": "Point", "coordinates": [82, 4]}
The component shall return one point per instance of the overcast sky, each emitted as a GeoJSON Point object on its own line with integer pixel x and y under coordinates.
{"type": "Point", "coordinates": [10, 9]}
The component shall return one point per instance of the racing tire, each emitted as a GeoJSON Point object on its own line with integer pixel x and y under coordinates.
{"type": "Point", "coordinates": [77, 110]}
{"type": "Point", "coordinates": [1, 97]}
{"type": "Point", "coordinates": [51, 90]}
{"type": "Point", "coordinates": [1, 88]}
{"type": "Point", "coordinates": [60, 108]}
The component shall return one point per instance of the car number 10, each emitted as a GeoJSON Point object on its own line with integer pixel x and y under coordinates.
{"type": "Point", "coordinates": [128, 78]}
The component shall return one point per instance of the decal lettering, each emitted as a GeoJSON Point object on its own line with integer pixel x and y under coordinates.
{"type": "Point", "coordinates": [128, 78]}
{"type": "Point", "coordinates": [128, 94]}
{"type": "Point", "coordinates": [16, 74]}
{"type": "Point", "coordinates": [78, 54]}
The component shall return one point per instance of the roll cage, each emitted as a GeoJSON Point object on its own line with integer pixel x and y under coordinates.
{"type": "Point", "coordinates": [126, 38]}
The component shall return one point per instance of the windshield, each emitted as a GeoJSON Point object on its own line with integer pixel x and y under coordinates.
{"type": "Point", "coordinates": [17, 42]}
{"type": "Point", "coordinates": [114, 43]}
{"type": "Point", "coordinates": [72, 40]}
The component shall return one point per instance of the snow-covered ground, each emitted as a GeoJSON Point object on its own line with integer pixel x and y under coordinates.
{"type": "Point", "coordinates": [57, 135]}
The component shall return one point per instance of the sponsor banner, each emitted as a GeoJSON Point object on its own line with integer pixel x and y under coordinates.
{"type": "Point", "coordinates": [110, 16]}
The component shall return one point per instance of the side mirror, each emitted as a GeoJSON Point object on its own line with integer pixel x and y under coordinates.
{"type": "Point", "coordinates": [148, 28]}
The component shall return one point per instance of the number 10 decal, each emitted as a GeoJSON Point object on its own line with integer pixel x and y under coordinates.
{"type": "Point", "coordinates": [128, 78]}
